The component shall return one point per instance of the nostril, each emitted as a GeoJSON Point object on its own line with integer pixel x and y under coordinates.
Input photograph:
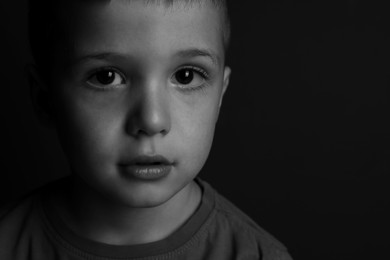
{"type": "Point", "coordinates": [164, 131]}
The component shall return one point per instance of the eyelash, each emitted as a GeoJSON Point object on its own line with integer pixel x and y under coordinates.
{"type": "Point", "coordinates": [96, 71]}
{"type": "Point", "coordinates": [203, 73]}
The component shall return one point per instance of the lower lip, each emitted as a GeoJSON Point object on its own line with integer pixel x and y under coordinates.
{"type": "Point", "coordinates": [147, 172]}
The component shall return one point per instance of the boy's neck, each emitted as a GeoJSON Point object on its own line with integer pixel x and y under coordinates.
{"type": "Point", "coordinates": [99, 220]}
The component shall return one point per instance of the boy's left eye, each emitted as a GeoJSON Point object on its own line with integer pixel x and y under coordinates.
{"type": "Point", "coordinates": [189, 77]}
{"type": "Point", "coordinates": [106, 78]}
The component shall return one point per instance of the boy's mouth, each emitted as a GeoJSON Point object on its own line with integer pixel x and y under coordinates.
{"type": "Point", "coordinates": [147, 167]}
{"type": "Point", "coordinates": [150, 160]}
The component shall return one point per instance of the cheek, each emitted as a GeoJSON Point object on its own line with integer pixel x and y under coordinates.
{"type": "Point", "coordinates": [197, 127]}
{"type": "Point", "coordinates": [88, 134]}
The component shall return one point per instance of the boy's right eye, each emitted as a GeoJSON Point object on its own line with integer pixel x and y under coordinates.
{"type": "Point", "coordinates": [106, 78]}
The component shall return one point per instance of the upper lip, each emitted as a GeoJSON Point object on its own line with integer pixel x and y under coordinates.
{"type": "Point", "coordinates": [148, 160]}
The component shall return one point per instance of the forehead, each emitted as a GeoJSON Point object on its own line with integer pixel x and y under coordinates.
{"type": "Point", "coordinates": [136, 27]}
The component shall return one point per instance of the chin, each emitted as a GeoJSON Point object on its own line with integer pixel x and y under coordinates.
{"type": "Point", "coordinates": [145, 202]}
{"type": "Point", "coordinates": [142, 197]}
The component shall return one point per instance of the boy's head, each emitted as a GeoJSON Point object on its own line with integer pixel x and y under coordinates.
{"type": "Point", "coordinates": [45, 23]}
{"type": "Point", "coordinates": [134, 89]}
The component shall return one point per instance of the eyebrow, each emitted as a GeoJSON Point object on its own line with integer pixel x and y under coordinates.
{"type": "Point", "coordinates": [195, 52]}
{"type": "Point", "coordinates": [98, 56]}
{"type": "Point", "coordinates": [186, 53]}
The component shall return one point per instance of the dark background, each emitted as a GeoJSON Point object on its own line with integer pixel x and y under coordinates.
{"type": "Point", "coordinates": [302, 144]}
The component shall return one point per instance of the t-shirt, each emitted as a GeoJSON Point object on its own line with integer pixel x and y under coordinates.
{"type": "Point", "coordinates": [32, 229]}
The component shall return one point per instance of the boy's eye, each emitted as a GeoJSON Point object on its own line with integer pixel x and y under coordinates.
{"type": "Point", "coordinates": [189, 77]}
{"type": "Point", "coordinates": [106, 78]}
{"type": "Point", "coordinates": [184, 76]}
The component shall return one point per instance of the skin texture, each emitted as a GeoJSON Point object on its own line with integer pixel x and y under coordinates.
{"type": "Point", "coordinates": [145, 111]}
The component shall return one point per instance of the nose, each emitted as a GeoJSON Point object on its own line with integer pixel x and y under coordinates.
{"type": "Point", "coordinates": [149, 113]}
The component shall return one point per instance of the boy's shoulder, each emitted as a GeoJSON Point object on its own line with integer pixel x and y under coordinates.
{"type": "Point", "coordinates": [23, 228]}
{"type": "Point", "coordinates": [231, 223]}
{"type": "Point", "coordinates": [217, 230]}
{"type": "Point", "coordinates": [19, 222]}
{"type": "Point", "coordinates": [16, 213]}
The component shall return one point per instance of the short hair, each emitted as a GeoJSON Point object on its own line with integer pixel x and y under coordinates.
{"type": "Point", "coordinates": [42, 21]}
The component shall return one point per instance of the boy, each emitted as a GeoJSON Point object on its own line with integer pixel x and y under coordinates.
{"type": "Point", "coordinates": [133, 89]}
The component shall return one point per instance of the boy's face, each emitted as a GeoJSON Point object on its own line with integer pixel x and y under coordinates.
{"type": "Point", "coordinates": [138, 80]}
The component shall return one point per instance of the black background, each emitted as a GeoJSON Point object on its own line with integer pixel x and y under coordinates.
{"type": "Point", "coordinates": [302, 144]}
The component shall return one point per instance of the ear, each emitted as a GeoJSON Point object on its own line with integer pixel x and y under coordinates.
{"type": "Point", "coordinates": [226, 77]}
{"type": "Point", "coordinates": [39, 94]}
